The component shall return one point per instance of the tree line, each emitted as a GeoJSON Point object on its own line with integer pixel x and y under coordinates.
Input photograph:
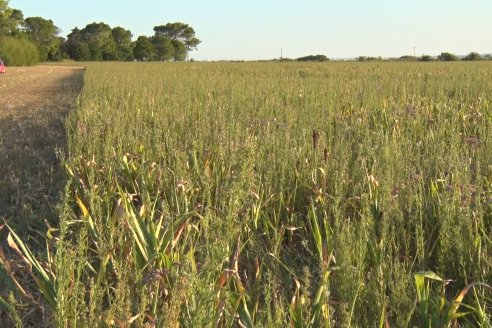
{"type": "Point", "coordinates": [443, 56]}
{"type": "Point", "coordinates": [24, 41]}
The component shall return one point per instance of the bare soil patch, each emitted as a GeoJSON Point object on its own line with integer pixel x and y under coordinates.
{"type": "Point", "coordinates": [34, 103]}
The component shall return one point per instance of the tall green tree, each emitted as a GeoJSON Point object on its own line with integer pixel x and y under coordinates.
{"type": "Point", "coordinates": [182, 36]}
{"type": "Point", "coordinates": [44, 34]}
{"type": "Point", "coordinates": [447, 56]}
{"type": "Point", "coordinates": [473, 56]}
{"type": "Point", "coordinates": [164, 49]}
{"type": "Point", "coordinates": [123, 40]}
{"type": "Point", "coordinates": [143, 49]}
{"type": "Point", "coordinates": [10, 19]}
{"type": "Point", "coordinates": [99, 39]}
{"type": "Point", "coordinates": [4, 15]}
{"type": "Point", "coordinates": [15, 21]}
{"type": "Point", "coordinates": [180, 52]}
{"type": "Point", "coordinates": [75, 47]}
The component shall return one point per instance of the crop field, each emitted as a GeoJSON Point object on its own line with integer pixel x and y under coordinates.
{"type": "Point", "coordinates": [269, 195]}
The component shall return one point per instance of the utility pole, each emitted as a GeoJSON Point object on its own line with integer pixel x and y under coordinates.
{"type": "Point", "coordinates": [414, 51]}
{"type": "Point", "coordinates": [281, 53]}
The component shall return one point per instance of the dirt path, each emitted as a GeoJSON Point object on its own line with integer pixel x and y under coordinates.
{"type": "Point", "coordinates": [34, 103]}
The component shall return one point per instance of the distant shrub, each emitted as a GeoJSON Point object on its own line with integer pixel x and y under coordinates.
{"type": "Point", "coordinates": [18, 52]}
{"type": "Point", "coordinates": [408, 58]}
{"type": "Point", "coordinates": [368, 58]}
{"type": "Point", "coordinates": [425, 58]}
{"type": "Point", "coordinates": [473, 56]}
{"type": "Point", "coordinates": [447, 56]}
{"type": "Point", "coordinates": [316, 58]}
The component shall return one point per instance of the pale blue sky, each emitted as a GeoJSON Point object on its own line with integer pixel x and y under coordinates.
{"type": "Point", "coordinates": [258, 29]}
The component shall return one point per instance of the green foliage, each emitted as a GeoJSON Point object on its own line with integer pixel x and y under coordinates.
{"type": "Point", "coordinates": [144, 49]}
{"type": "Point", "coordinates": [181, 37]}
{"type": "Point", "coordinates": [179, 50]}
{"type": "Point", "coordinates": [18, 52]}
{"type": "Point", "coordinates": [123, 40]}
{"type": "Point", "coordinates": [163, 47]}
{"type": "Point", "coordinates": [408, 58]}
{"type": "Point", "coordinates": [368, 58]}
{"type": "Point", "coordinates": [425, 58]}
{"type": "Point", "coordinates": [277, 194]}
{"type": "Point", "coordinates": [473, 56]}
{"type": "Point", "coordinates": [9, 19]}
{"type": "Point", "coordinates": [45, 279]}
{"type": "Point", "coordinates": [436, 311]}
{"type": "Point", "coordinates": [99, 39]}
{"type": "Point", "coordinates": [76, 46]}
{"type": "Point", "coordinates": [181, 32]}
{"type": "Point", "coordinates": [276, 199]}
{"type": "Point", "coordinates": [98, 42]}
{"type": "Point", "coordinates": [447, 56]}
{"type": "Point", "coordinates": [11, 22]}
{"type": "Point", "coordinates": [314, 58]}
{"type": "Point", "coordinates": [43, 33]}
{"type": "Point", "coordinates": [72, 46]}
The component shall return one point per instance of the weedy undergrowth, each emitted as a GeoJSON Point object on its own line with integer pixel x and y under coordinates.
{"type": "Point", "coordinates": [273, 195]}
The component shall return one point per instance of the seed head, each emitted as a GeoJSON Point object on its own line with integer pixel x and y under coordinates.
{"type": "Point", "coordinates": [315, 139]}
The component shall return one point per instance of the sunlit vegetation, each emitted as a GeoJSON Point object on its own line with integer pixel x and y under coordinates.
{"type": "Point", "coordinates": [272, 195]}
{"type": "Point", "coordinates": [18, 52]}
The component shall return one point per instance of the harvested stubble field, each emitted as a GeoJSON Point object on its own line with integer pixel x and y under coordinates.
{"type": "Point", "coordinates": [34, 103]}
{"type": "Point", "coordinates": [272, 195]}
